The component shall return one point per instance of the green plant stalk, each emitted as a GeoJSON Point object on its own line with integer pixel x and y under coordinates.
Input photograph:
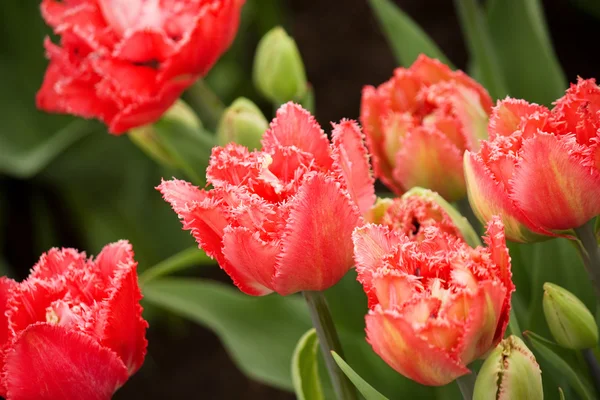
{"type": "Point", "coordinates": [329, 341]}
{"type": "Point", "coordinates": [590, 253]}
{"type": "Point", "coordinates": [207, 105]}
{"type": "Point", "coordinates": [466, 384]}
{"type": "Point", "coordinates": [178, 262]}
{"type": "Point", "coordinates": [593, 367]}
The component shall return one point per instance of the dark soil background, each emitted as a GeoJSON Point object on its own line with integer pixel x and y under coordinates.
{"type": "Point", "coordinates": [343, 50]}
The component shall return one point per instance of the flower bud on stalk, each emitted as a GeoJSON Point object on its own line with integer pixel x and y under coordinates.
{"type": "Point", "coordinates": [509, 372]}
{"type": "Point", "coordinates": [278, 68]}
{"type": "Point", "coordinates": [242, 123]}
{"type": "Point", "coordinates": [177, 140]}
{"type": "Point", "coordinates": [572, 325]}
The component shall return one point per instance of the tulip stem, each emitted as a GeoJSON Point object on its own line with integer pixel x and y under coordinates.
{"type": "Point", "coordinates": [205, 102]}
{"type": "Point", "coordinates": [329, 341]}
{"type": "Point", "coordinates": [466, 384]}
{"type": "Point", "coordinates": [593, 367]}
{"type": "Point", "coordinates": [590, 252]}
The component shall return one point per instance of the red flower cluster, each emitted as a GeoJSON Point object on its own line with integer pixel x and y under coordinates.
{"type": "Point", "coordinates": [281, 219]}
{"type": "Point", "coordinates": [419, 123]}
{"type": "Point", "coordinates": [73, 329]}
{"type": "Point", "coordinates": [126, 61]}
{"type": "Point", "coordinates": [436, 304]}
{"type": "Point", "coordinates": [540, 170]}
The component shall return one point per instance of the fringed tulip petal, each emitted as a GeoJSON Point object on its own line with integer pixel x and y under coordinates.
{"type": "Point", "coordinates": [316, 243]}
{"type": "Point", "coordinates": [49, 362]}
{"type": "Point", "coordinates": [352, 161]}
{"type": "Point", "coordinates": [124, 329]}
{"type": "Point", "coordinates": [280, 219]}
{"type": "Point", "coordinates": [294, 126]}
{"type": "Point", "coordinates": [552, 176]}
{"type": "Point", "coordinates": [394, 339]}
{"type": "Point", "coordinates": [489, 198]}
{"type": "Point", "coordinates": [126, 62]}
{"type": "Point", "coordinates": [250, 260]}
{"type": "Point", "coordinates": [419, 123]}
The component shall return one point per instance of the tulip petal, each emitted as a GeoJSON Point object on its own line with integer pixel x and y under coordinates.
{"type": "Point", "coordinates": [566, 192]}
{"type": "Point", "coordinates": [28, 303]}
{"type": "Point", "coordinates": [371, 108]}
{"type": "Point", "coordinates": [112, 257]}
{"type": "Point", "coordinates": [48, 362]}
{"type": "Point", "coordinates": [56, 262]}
{"type": "Point", "coordinates": [483, 321]}
{"type": "Point", "coordinates": [124, 329]}
{"type": "Point", "coordinates": [6, 286]}
{"type": "Point", "coordinates": [294, 126]}
{"type": "Point", "coordinates": [250, 260]}
{"type": "Point", "coordinates": [352, 161]}
{"type": "Point", "coordinates": [316, 243]}
{"type": "Point", "coordinates": [199, 211]}
{"type": "Point", "coordinates": [371, 244]}
{"type": "Point", "coordinates": [511, 115]}
{"type": "Point", "coordinates": [429, 159]}
{"type": "Point", "coordinates": [395, 340]}
{"type": "Point", "coordinates": [488, 198]}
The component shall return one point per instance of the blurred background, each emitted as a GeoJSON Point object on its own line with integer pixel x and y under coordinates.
{"type": "Point", "coordinates": [86, 189]}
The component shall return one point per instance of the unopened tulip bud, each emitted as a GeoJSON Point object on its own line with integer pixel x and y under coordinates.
{"type": "Point", "coordinates": [572, 325]}
{"type": "Point", "coordinates": [278, 68]}
{"type": "Point", "coordinates": [509, 372]}
{"type": "Point", "coordinates": [177, 140]}
{"type": "Point", "coordinates": [242, 123]}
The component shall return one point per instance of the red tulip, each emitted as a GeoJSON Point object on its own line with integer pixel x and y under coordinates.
{"type": "Point", "coordinates": [541, 169]}
{"type": "Point", "coordinates": [281, 219]}
{"type": "Point", "coordinates": [419, 123]}
{"type": "Point", "coordinates": [126, 61]}
{"type": "Point", "coordinates": [73, 329]}
{"type": "Point", "coordinates": [435, 304]}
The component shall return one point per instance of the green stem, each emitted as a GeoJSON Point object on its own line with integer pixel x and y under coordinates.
{"type": "Point", "coordinates": [329, 341]}
{"type": "Point", "coordinates": [590, 252]}
{"type": "Point", "coordinates": [178, 262]}
{"type": "Point", "coordinates": [593, 367]}
{"type": "Point", "coordinates": [206, 103]}
{"type": "Point", "coordinates": [466, 384]}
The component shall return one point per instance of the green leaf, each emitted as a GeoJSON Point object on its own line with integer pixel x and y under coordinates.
{"type": "Point", "coordinates": [260, 333]}
{"type": "Point", "coordinates": [178, 262]}
{"type": "Point", "coordinates": [406, 38]}
{"type": "Point", "coordinates": [559, 367]}
{"type": "Point", "coordinates": [305, 368]}
{"type": "Point", "coordinates": [363, 386]}
{"type": "Point", "coordinates": [524, 50]}
{"type": "Point", "coordinates": [481, 48]}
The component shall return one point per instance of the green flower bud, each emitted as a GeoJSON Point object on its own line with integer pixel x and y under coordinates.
{"type": "Point", "coordinates": [242, 123]}
{"type": "Point", "coordinates": [177, 140]}
{"type": "Point", "coordinates": [509, 372]}
{"type": "Point", "coordinates": [278, 69]}
{"type": "Point", "coordinates": [571, 323]}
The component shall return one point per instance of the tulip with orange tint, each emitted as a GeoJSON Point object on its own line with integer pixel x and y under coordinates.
{"type": "Point", "coordinates": [419, 123]}
{"type": "Point", "coordinates": [540, 170]}
{"type": "Point", "coordinates": [436, 304]}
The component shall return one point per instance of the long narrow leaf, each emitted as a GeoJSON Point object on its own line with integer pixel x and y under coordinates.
{"type": "Point", "coordinates": [406, 37]}
{"type": "Point", "coordinates": [520, 36]}
{"type": "Point", "coordinates": [363, 386]}
{"type": "Point", "coordinates": [481, 48]}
